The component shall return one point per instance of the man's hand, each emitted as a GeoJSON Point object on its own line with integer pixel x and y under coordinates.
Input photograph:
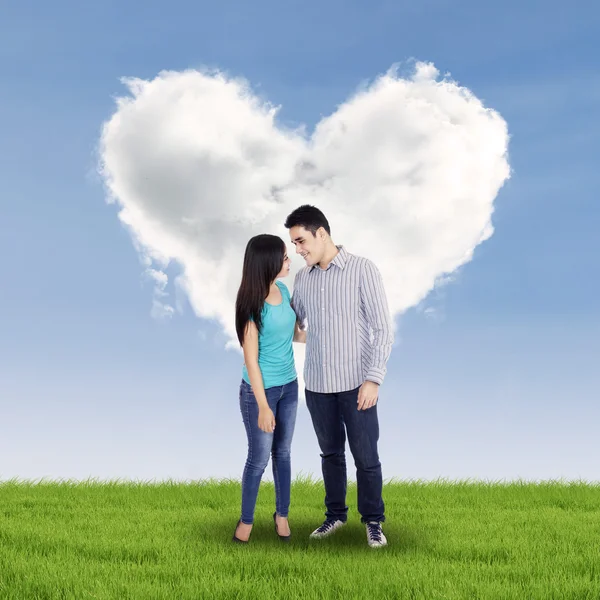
{"type": "Point", "coordinates": [367, 395]}
{"type": "Point", "coordinates": [299, 334]}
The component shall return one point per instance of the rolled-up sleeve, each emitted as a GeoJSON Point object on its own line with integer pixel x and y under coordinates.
{"type": "Point", "coordinates": [376, 308]}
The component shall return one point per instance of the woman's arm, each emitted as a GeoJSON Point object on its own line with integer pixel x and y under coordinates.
{"type": "Point", "coordinates": [250, 348]}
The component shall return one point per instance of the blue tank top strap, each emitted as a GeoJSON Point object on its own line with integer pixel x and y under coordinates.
{"type": "Point", "coordinates": [284, 290]}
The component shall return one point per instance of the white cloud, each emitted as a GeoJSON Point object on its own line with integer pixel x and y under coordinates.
{"type": "Point", "coordinates": [431, 313]}
{"type": "Point", "coordinates": [160, 279]}
{"type": "Point", "coordinates": [406, 170]}
{"type": "Point", "coordinates": [160, 310]}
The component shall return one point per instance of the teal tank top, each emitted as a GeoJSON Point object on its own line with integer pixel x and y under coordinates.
{"type": "Point", "coordinates": [275, 350]}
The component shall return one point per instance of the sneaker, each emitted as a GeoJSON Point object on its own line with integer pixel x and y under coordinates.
{"type": "Point", "coordinates": [328, 527]}
{"type": "Point", "coordinates": [375, 537]}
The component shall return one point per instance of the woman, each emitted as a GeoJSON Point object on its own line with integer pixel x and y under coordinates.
{"type": "Point", "coordinates": [266, 326]}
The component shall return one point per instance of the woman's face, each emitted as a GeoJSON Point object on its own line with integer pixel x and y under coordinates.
{"type": "Point", "coordinates": [285, 268]}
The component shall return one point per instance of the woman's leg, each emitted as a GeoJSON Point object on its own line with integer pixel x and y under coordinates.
{"type": "Point", "coordinates": [285, 421]}
{"type": "Point", "coordinates": [259, 448]}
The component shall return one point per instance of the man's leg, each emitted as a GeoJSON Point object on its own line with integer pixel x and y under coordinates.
{"type": "Point", "coordinates": [362, 427]}
{"type": "Point", "coordinates": [329, 427]}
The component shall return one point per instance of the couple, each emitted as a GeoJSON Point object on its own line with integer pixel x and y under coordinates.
{"type": "Point", "coordinates": [348, 343]}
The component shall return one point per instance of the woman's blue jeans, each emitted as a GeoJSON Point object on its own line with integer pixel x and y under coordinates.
{"type": "Point", "coordinates": [283, 401]}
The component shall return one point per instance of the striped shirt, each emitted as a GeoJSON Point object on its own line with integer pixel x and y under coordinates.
{"type": "Point", "coordinates": [350, 334]}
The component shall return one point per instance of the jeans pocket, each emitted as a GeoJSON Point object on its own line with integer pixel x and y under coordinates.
{"type": "Point", "coordinates": [246, 392]}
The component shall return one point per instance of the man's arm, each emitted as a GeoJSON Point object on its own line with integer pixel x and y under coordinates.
{"type": "Point", "coordinates": [296, 303]}
{"type": "Point", "coordinates": [299, 335]}
{"type": "Point", "coordinates": [378, 314]}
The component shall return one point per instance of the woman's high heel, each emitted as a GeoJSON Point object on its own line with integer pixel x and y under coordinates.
{"type": "Point", "coordinates": [283, 538]}
{"type": "Point", "coordinates": [235, 538]}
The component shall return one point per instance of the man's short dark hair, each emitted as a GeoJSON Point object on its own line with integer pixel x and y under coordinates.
{"type": "Point", "coordinates": [309, 217]}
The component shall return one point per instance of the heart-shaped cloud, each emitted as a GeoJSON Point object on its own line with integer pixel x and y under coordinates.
{"type": "Point", "coordinates": [406, 171]}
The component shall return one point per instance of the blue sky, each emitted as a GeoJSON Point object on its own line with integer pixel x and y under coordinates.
{"type": "Point", "coordinates": [502, 383]}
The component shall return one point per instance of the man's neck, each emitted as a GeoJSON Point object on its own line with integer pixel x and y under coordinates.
{"type": "Point", "coordinates": [330, 254]}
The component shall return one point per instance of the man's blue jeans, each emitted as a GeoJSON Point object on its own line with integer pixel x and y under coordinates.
{"type": "Point", "coordinates": [283, 401]}
{"type": "Point", "coordinates": [334, 416]}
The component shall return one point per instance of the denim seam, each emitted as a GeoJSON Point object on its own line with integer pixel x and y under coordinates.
{"type": "Point", "coordinates": [247, 411]}
{"type": "Point", "coordinates": [275, 467]}
{"type": "Point", "coordinates": [276, 479]}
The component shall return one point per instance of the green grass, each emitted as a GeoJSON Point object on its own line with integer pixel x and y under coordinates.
{"type": "Point", "coordinates": [447, 540]}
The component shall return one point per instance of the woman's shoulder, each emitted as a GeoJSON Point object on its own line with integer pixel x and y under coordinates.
{"type": "Point", "coordinates": [283, 288]}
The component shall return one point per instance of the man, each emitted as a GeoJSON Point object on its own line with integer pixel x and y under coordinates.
{"type": "Point", "coordinates": [349, 341]}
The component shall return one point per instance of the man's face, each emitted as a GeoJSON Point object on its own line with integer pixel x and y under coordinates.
{"type": "Point", "coordinates": [310, 247]}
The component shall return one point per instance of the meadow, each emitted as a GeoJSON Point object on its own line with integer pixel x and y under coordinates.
{"type": "Point", "coordinates": [447, 540]}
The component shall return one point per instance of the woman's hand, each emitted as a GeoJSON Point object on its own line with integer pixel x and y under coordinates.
{"type": "Point", "coordinates": [266, 420]}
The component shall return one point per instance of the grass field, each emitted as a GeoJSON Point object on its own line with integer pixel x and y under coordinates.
{"type": "Point", "coordinates": [447, 540]}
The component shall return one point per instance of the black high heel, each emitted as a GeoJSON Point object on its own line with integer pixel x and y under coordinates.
{"type": "Point", "coordinates": [283, 538]}
{"type": "Point", "coordinates": [235, 538]}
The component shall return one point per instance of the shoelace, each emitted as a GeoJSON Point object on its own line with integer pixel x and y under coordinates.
{"type": "Point", "coordinates": [326, 526]}
{"type": "Point", "coordinates": [374, 531]}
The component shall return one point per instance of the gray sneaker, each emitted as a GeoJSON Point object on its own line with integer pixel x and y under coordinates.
{"type": "Point", "coordinates": [375, 537]}
{"type": "Point", "coordinates": [329, 526]}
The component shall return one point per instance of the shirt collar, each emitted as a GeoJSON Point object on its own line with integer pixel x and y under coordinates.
{"type": "Point", "coordinates": [340, 259]}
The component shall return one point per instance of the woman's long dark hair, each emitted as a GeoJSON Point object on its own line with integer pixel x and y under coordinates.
{"type": "Point", "coordinates": [263, 260]}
